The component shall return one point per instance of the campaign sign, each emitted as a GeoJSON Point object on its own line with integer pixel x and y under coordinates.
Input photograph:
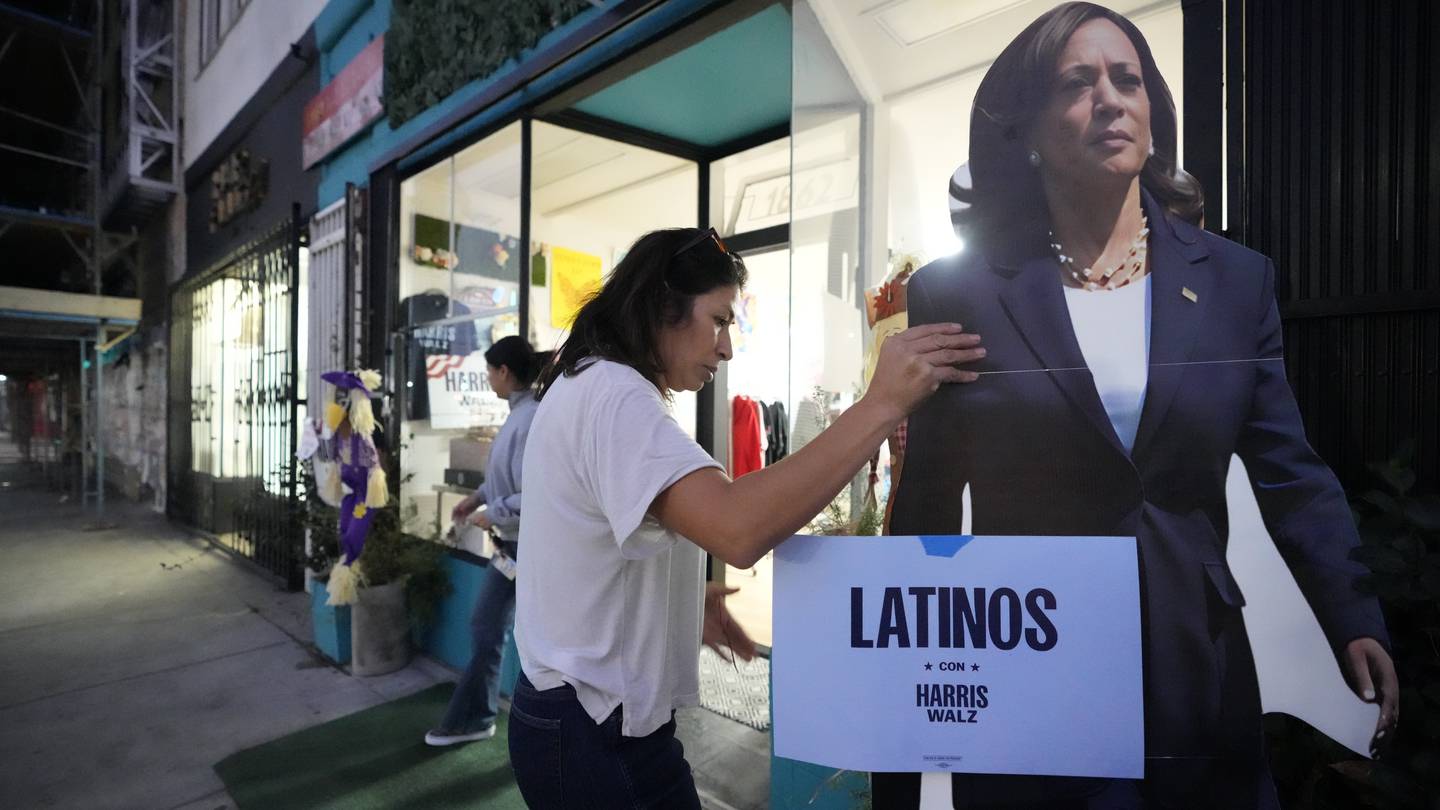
{"type": "Point", "coordinates": [1013, 655]}
{"type": "Point", "coordinates": [460, 393]}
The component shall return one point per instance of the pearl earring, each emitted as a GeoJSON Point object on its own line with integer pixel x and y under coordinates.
{"type": "Point", "coordinates": [1152, 148]}
{"type": "Point", "coordinates": [1034, 158]}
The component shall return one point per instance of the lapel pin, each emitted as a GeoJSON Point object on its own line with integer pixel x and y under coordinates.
{"type": "Point", "coordinates": [1190, 294]}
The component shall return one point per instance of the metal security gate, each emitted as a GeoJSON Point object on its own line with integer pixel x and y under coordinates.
{"type": "Point", "coordinates": [334, 292]}
{"type": "Point", "coordinates": [236, 348]}
{"type": "Point", "coordinates": [1338, 181]}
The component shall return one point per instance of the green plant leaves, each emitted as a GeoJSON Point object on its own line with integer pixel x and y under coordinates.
{"type": "Point", "coordinates": [1400, 546]}
{"type": "Point", "coordinates": [434, 48]}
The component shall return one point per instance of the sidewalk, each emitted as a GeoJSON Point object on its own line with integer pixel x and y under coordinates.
{"type": "Point", "coordinates": [133, 659]}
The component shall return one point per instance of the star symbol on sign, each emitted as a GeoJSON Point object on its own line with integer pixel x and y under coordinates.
{"type": "Point", "coordinates": [974, 667]}
{"type": "Point", "coordinates": [929, 666]}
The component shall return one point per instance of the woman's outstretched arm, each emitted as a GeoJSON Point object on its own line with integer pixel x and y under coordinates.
{"type": "Point", "coordinates": [739, 521]}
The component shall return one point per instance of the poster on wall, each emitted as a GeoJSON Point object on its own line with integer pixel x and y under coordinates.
{"type": "Point", "coordinates": [576, 276]}
{"type": "Point", "coordinates": [460, 394]}
{"type": "Point", "coordinates": [1017, 655]}
{"type": "Point", "coordinates": [347, 105]}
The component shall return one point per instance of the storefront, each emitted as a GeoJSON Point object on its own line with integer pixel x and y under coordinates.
{"type": "Point", "coordinates": [818, 215]}
{"type": "Point", "coordinates": [818, 138]}
{"type": "Point", "coordinates": [614, 151]}
{"type": "Point", "coordinates": [238, 326]}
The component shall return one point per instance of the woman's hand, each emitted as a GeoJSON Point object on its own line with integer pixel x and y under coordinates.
{"type": "Point", "coordinates": [481, 519]}
{"type": "Point", "coordinates": [464, 508]}
{"type": "Point", "coordinates": [1372, 676]}
{"type": "Point", "coordinates": [720, 632]}
{"type": "Point", "coordinates": [914, 363]}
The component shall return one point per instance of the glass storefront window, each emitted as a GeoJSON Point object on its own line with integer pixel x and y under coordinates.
{"type": "Point", "coordinates": [590, 199]}
{"type": "Point", "coordinates": [760, 371]}
{"type": "Point", "coordinates": [827, 274]}
{"type": "Point", "coordinates": [459, 293]}
{"type": "Point", "coordinates": [459, 232]}
{"type": "Point", "coordinates": [751, 189]}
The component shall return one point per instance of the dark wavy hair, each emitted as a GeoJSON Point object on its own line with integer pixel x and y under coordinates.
{"type": "Point", "coordinates": [516, 354]}
{"type": "Point", "coordinates": [651, 288]}
{"type": "Point", "coordinates": [1006, 201]}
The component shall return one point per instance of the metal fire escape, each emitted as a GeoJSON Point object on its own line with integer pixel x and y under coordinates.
{"type": "Point", "coordinates": [142, 167]}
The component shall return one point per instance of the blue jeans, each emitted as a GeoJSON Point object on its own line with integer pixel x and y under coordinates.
{"type": "Point", "coordinates": [477, 696]}
{"type": "Point", "coordinates": [564, 760]}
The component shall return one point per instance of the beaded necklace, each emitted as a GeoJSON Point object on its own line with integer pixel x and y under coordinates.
{"type": "Point", "coordinates": [1128, 270]}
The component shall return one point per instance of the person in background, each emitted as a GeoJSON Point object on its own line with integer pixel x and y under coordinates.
{"type": "Point", "coordinates": [494, 506]}
{"type": "Point", "coordinates": [621, 504]}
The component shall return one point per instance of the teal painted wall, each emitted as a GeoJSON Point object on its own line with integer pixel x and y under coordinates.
{"type": "Point", "coordinates": [344, 28]}
{"type": "Point", "coordinates": [448, 638]}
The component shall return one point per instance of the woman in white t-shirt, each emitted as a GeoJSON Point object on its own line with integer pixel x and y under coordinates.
{"type": "Point", "coordinates": [621, 505]}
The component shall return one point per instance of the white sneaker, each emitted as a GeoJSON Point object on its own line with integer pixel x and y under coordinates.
{"type": "Point", "coordinates": [441, 738]}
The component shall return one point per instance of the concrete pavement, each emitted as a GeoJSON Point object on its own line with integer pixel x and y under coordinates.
{"type": "Point", "coordinates": [134, 658]}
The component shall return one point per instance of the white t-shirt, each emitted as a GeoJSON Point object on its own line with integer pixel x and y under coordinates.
{"type": "Point", "coordinates": [608, 600]}
{"type": "Point", "coordinates": [1113, 329]}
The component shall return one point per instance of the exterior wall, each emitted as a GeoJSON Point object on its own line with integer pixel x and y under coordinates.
{"type": "Point", "coordinates": [134, 423]}
{"type": "Point", "coordinates": [268, 128]}
{"type": "Point", "coordinates": [214, 94]}
{"type": "Point", "coordinates": [133, 419]}
{"type": "Point", "coordinates": [347, 26]}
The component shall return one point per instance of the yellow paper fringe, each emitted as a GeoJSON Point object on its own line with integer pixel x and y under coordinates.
{"type": "Point", "coordinates": [369, 378]}
{"type": "Point", "coordinates": [377, 489]}
{"type": "Point", "coordinates": [362, 418]}
{"type": "Point", "coordinates": [344, 585]}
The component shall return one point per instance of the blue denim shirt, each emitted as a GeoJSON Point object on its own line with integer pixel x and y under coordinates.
{"type": "Point", "coordinates": [501, 489]}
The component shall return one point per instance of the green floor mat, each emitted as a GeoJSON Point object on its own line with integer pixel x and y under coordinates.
{"type": "Point", "coordinates": [376, 758]}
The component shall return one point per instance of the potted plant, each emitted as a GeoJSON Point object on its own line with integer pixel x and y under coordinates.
{"type": "Point", "coordinates": [1400, 545]}
{"type": "Point", "coordinates": [399, 592]}
{"type": "Point", "coordinates": [402, 584]}
{"type": "Point", "coordinates": [375, 561]}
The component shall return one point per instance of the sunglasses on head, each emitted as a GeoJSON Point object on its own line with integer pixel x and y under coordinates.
{"type": "Point", "coordinates": [707, 234]}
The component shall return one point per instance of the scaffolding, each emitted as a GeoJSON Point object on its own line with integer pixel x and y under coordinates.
{"type": "Point", "coordinates": [135, 39]}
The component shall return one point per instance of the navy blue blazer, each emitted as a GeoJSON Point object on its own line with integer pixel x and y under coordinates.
{"type": "Point", "coordinates": [1041, 458]}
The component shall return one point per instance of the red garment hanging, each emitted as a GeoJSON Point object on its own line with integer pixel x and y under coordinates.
{"type": "Point", "coordinates": [744, 437]}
